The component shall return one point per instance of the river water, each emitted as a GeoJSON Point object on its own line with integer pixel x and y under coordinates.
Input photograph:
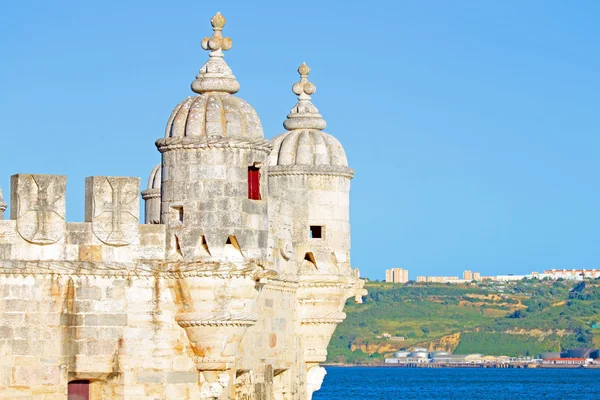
{"type": "Point", "coordinates": [454, 383]}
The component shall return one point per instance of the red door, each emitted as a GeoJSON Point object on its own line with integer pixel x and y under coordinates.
{"type": "Point", "coordinates": [79, 390]}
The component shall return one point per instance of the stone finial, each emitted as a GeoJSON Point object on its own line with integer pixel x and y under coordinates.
{"type": "Point", "coordinates": [304, 88]}
{"type": "Point", "coordinates": [217, 42]}
{"type": "Point", "coordinates": [3, 206]}
{"type": "Point", "coordinates": [304, 115]}
{"type": "Point", "coordinates": [215, 75]}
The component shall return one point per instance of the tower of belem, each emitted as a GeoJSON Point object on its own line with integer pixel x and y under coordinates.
{"type": "Point", "coordinates": [230, 288]}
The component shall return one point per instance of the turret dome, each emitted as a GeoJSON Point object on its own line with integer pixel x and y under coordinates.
{"type": "Point", "coordinates": [152, 196]}
{"type": "Point", "coordinates": [215, 113]}
{"type": "Point", "coordinates": [155, 177]}
{"type": "Point", "coordinates": [305, 147]}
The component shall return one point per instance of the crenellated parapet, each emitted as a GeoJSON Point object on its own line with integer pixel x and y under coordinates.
{"type": "Point", "coordinates": [111, 233]}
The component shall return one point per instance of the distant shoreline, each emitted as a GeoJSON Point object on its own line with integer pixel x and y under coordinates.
{"type": "Point", "coordinates": [474, 366]}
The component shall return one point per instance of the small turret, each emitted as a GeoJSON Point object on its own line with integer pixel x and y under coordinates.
{"type": "Point", "coordinates": [214, 204]}
{"type": "Point", "coordinates": [151, 196]}
{"type": "Point", "coordinates": [309, 175]}
{"type": "Point", "coordinates": [318, 163]}
{"type": "Point", "coordinates": [3, 206]}
{"type": "Point", "coordinates": [214, 198]}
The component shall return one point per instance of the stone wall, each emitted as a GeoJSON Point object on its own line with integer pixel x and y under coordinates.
{"type": "Point", "coordinates": [118, 332]}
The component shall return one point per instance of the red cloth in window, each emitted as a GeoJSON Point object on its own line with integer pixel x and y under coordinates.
{"type": "Point", "coordinates": [253, 183]}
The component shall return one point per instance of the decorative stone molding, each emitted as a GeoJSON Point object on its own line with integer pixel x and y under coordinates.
{"type": "Point", "coordinates": [324, 318]}
{"type": "Point", "coordinates": [328, 170]}
{"type": "Point", "coordinates": [148, 194]}
{"type": "Point", "coordinates": [141, 269]}
{"type": "Point", "coordinates": [217, 142]}
{"type": "Point", "coordinates": [225, 319]}
{"type": "Point", "coordinates": [280, 285]}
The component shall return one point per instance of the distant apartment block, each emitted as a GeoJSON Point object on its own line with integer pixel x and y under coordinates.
{"type": "Point", "coordinates": [469, 275]}
{"type": "Point", "coordinates": [396, 275]}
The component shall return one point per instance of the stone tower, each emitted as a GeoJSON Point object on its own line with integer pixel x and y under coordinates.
{"type": "Point", "coordinates": [310, 178]}
{"type": "Point", "coordinates": [232, 287]}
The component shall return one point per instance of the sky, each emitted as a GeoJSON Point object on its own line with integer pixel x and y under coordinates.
{"type": "Point", "coordinates": [472, 126]}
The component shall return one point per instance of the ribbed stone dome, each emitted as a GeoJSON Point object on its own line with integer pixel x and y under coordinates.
{"type": "Point", "coordinates": [214, 115]}
{"type": "Point", "coordinates": [308, 147]}
{"type": "Point", "coordinates": [154, 181]}
{"type": "Point", "coordinates": [305, 144]}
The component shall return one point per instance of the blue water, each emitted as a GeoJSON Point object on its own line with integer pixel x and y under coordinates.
{"type": "Point", "coordinates": [453, 383]}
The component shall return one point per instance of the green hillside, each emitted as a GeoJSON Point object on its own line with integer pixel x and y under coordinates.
{"type": "Point", "coordinates": [518, 318]}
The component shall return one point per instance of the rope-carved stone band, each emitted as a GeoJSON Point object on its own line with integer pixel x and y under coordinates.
{"type": "Point", "coordinates": [241, 319]}
{"type": "Point", "coordinates": [309, 321]}
{"type": "Point", "coordinates": [324, 318]}
{"type": "Point", "coordinates": [150, 194]}
{"type": "Point", "coordinates": [211, 360]}
{"type": "Point", "coordinates": [331, 170]}
{"type": "Point", "coordinates": [200, 142]}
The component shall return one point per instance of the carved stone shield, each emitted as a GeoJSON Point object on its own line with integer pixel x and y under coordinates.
{"type": "Point", "coordinates": [40, 207]}
{"type": "Point", "coordinates": [114, 208]}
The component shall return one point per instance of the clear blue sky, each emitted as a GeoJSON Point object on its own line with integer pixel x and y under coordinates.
{"type": "Point", "coordinates": [473, 126]}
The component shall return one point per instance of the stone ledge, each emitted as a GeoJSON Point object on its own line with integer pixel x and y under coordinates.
{"type": "Point", "coordinates": [330, 170]}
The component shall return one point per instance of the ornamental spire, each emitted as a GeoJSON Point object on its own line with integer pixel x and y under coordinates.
{"type": "Point", "coordinates": [215, 75]}
{"type": "Point", "coordinates": [217, 42]}
{"type": "Point", "coordinates": [304, 115]}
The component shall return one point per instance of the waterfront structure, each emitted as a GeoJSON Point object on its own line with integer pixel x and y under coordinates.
{"type": "Point", "coordinates": [571, 273]}
{"type": "Point", "coordinates": [231, 290]}
{"type": "Point", "coordinates": [396, 275]}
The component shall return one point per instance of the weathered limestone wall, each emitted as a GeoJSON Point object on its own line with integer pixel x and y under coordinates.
{"type": "Point", "coordinates": [37, 230]}
{"type": "Point", "coordinates": [86, 300]}
{"type": "Point", "coordinates": [118, 332]}
{"type": "Point", "coordinates": [312, 199]}
{"type": "Point", "coordinates": [210, 186]}
{"type": "Point", "coordinates": [328, 205]}
{"type": "Point", "coordinates": [269, 358]}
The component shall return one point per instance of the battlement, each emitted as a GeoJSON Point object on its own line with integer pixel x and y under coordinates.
{"type": "Point", "coordinates": [37, 228]}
